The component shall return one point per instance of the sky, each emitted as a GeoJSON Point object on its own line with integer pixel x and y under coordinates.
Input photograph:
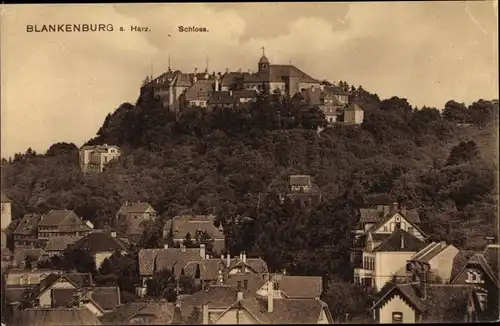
{"type": "Point", "coordinates": [60, 86]}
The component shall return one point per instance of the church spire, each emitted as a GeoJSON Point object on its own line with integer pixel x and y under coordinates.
{"type": "Point", "coordinates": [263, 51]}
{"type": "Point", "coordinates": [206, 65]}
{"type": "Point", "coordinates": [169, 69]}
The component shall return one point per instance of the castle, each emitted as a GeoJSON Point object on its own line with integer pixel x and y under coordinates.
{"type": "Point", "coordinates": [202, 89]}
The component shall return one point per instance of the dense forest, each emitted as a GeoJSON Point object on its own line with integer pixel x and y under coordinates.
{"type": "Point", "coordinates": [234, 163]}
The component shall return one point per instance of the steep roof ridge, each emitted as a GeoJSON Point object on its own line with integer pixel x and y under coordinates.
{"type": "Point", "coordinates": [424, 251]}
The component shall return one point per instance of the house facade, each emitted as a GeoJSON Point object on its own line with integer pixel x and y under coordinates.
{"type": "Point", "coordinates": [26, 233]}
{"type": "Point", "coordinates": [353, 114]}
{"type": "Point", "coordinates": [133, 215]}
{"type": "Point", "coordinates": [95, 158]}
{"type": "Point", "coordinates": [179, 226]}
{"type": "Point", "coordinates": [6, 218]}
{"type": "Point", "coordinates": [61, 223]}
{"type": "Point", "coordinates": [382, 259]}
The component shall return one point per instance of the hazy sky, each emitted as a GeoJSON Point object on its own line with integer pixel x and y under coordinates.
{"type": "Point", "coordinates": [60, 86]}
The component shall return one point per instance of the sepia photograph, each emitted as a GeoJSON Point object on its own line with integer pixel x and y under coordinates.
{"type": "Point", "coordinates": [249, 163]}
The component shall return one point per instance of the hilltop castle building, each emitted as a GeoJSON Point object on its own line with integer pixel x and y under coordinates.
{"type": "Point", "coordinates": [179, 90]}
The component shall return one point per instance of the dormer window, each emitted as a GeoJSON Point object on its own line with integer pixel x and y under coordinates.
{"type": "Point", "coordinates": [474, 277]}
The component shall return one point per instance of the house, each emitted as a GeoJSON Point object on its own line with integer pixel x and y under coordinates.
{"type": "Point", "coordinates": [200, 92]}
{"type": "Point", "coordinates": [323, 98]}
{"type": "Point", "coordinates": [71, 289]}
{"type": "Point", "coordinates": [222, 99]}
{"type": "Point", "coordinates": [386, 257]}
{"type": "Point", "coordinates": [254, 310]}
{"type": "Point", "coordinates": [56, 245]}
{"type": "Point", "coordinates": [54, 316]}
{"type": "Point", "coordinates": [95, 158]}
{"type": "Point", "coordinates": [134, 215]}
{"type": "Point", "coordinates": [300, 183]}
{"type": "Point", "coordinates": [26, 233]}
{"type": "Point", "coordinates": [439, 256]}
{"type": "Point", "coordinates": [429, 303]}
{"type": "Point", "coordinates": [244, 96]}
{"type": "Point", "coordinates": [6, 218]}
{"type": "Point", "coordinates": [143, 313]}
{"type": "Point", "coordinates": [353, 114]}
{"type": "Point", "coordinates": [293, 287]}
{"type": "Point", "coordinates": [193, 261]}
{"type": "Point", "coordinates": [481, 270]}
{"type": "Point", "coordinates": [100, 245]}
{"type": "Point", "coordinates": [384, 218]}
{"type": "Point", "coordinates": [61, 223]}
{"type": "Point", "coordinates": [179, 226]}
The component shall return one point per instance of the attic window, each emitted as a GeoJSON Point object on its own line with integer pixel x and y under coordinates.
{"type": "Point", "coordinates": [474, 277]}
{"type": "Point", "coordinates": [397, 317]}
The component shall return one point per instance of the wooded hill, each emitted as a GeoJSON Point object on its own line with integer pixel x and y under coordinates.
{"type": "Point", "coordinates": [233, 163]}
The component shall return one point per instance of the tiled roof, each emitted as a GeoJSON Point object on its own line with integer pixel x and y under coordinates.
{"type": "Point", "coordinates": [228, 78]}
{"type": "Point", "coordinates": [28, 224]}
{"type": "Point", "coordinates": [139, 207]}
{"type": "Point", "coordinates": [300, 286]}
{"type": "Point", "coordinates": [277, 73]}
{"type": "Point", "coordinates": [400, 240]}
{"type": "Point", "coordinates": [163, 313]}
{"type": "Point", "coordinates": [55, 217]}
{"type": "Point", "coordinates": [55, 316]}
{"type": "Point", "coordinates": [221, 97]}
{"type": "Point", "coordinates": [215, 297]}
{"type": "Point", "coordinates": [107, 298]}
{"type": "Point", "coordinates": [440, 304]}
{"type": "Point", "coordinates": [209, 268]}
{"type": "Point", "coordinates": [258, 265]}
{"type": "Point", "coordinates": [21, 255]}
{"type": "Point", "coordinates": [98, 147]}
{"type": "Point", "coordinates": [254, 281]}
{"type": "Point", "coordinates": [5, 199]}
{"type": "Point", "coordinates": [154, 260]}
{"type": "Point", "coordinates": [181, 225]}
{"type": "Point", "coordinates": [99, 242]}
{"type": "Point", "coordinates": [460, 261]}
{"type": "Point", "coordinates": [431, 252]}
{"type": "Point", "coordinates": [245, 93]}
{"type": "Point", "coordinates": [285, 311]}
{"type": "Point", "coordinates": [60, 243]}
{"type": "Point", "coordinates": [490, 254]}
{"type": "Point", "coordinates": [201, 90]}
{"type": "Point", "coordinates": [372, 215]}
{"type": "Point", "coordinates": [78, 279]}
{"type": "Point", "coordinates": [333, 89]}
{"type": "Point", "coordinates": [300, 180]}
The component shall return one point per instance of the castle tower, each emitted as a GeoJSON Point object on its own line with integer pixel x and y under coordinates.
{"type": "Point", "coordinates": [263, 62]}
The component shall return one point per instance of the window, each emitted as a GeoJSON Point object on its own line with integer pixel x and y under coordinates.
{"type": "Point", "coordinates": [245, 284]}
{"type": "Point", "coordinates": [276, 286]}
{"type": "Point", "coordinates": [474, 277]}
{"type": "Point", "coordinates": [386, 228]}
{"type": "Point", "coordinates": [397, 317]}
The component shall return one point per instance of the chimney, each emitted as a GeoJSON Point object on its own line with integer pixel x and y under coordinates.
{"type": "Point", "coordinates": [270, 296]}
{"type": "Point", "coordinates": [228, 259]}
{"type": "Point", "coordinates": [227, 70]}
{"type": "Point", "coordinates": [222, 257]}
{"type": "Point", "coordinates": [244, 257]}
{"type": "Point", "coordinates": [395, 207]}
{"type": "Point", "coordinates": [113, 234]}
{"type": "Point", "coordinates": [165, 246]}
{"type": "Point", "coordinates": [241, 256]}
{"type": "Point", "coordinates": [216, 84]}
{"type": "Point", "coordinates": [205, 314]}
{"type": "Point", "coordinates": [402, 241]}
{"type": "Point", "coordinates": [386, 209]}
{"type": "Point", "coordinates": [423, 285]}
{"type": "Point", "coordinates": [240, 295]}
{"type": "Point", "coordinates": [202, 251]}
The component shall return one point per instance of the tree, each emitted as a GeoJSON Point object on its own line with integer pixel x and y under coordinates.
{"type": "Point", "coordinates": [188, 241]}
{"type": "Point", "coordinates": [162, 285]}
{"type": "Point", "coordinates": [482, 112]}
{"type": "Point", "coordinates": [237, 84]}
{"type": "Point", "coordinates": [464, 152]}
{"type": "Point", "coordinates": [80, 260]}
{"type": "Point", "coordinates": [202, 237]}
{"type": "Point", "coordinates": [313, 117]}
{"type": "Point", "coordinates": [62, 148]}
{"type": "Point", "coordinates": [455, 112]}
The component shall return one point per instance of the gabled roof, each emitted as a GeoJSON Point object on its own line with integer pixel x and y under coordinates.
{"type": "Point", "coordinates": [155, 260]}
{"type": "Point", "coordinates": [181, 225]}
{"type": "Point", "coordinates": [278, 73]}
{"type": "Point", "coordinates": [299, 286]}
{"type": "Point", "coordinates": [21, 255]}
{"type": "Point", "coordinates": [209, 268]}
{"type": "Point", "coordinates": [162, 311]}
{"type": "Point", "coordinates": [258, 265]}
{"type": "Point", "coordinates": [408, 216]}
{"type": "Point", "coordinates": [481, 260]}
{"type": "Point", "coordinates": [459, 262]}
{"type": "Point", "coordinates": [60, 243]}
{"type": "Point", "coordinates": [28, 224]}
{"type": "Point", "coordinates": [215, 296]}
{"type": "Point", "coordinates": [300, 180]}
{"type": "Point", "coordinates": [97, 242]}
{"type": "Point", "coordinates": [221, 97]}
{"type": "Point", "coordinates": [429, 252]}
{"type": "Point", "coordinates": [229, 77]}
{"type": "Point", "coordinates": [201, 90]}
{"type": "Point", "coordinates": [137, 207]}
{"type": "Point", "coordinates": [285, 311]}
{"type": "Point", "coordinates": [55, 316]}
{"type": "Point", "coordinates": [440, 304]}
{"type": "Point", "coordinates": [77, 279]}
{"type": "Point", "coordinates": [490, 255]}
{"type": "Point", "coordinates": [58, 218]}
{"type": "Point", "coordinates": [107, 297]}
{"type": "Point", "coordinates": [400, 240]}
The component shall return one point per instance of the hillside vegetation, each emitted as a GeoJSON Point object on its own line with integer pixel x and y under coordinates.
{"type": "Point", "coordinates": [234, 163]}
